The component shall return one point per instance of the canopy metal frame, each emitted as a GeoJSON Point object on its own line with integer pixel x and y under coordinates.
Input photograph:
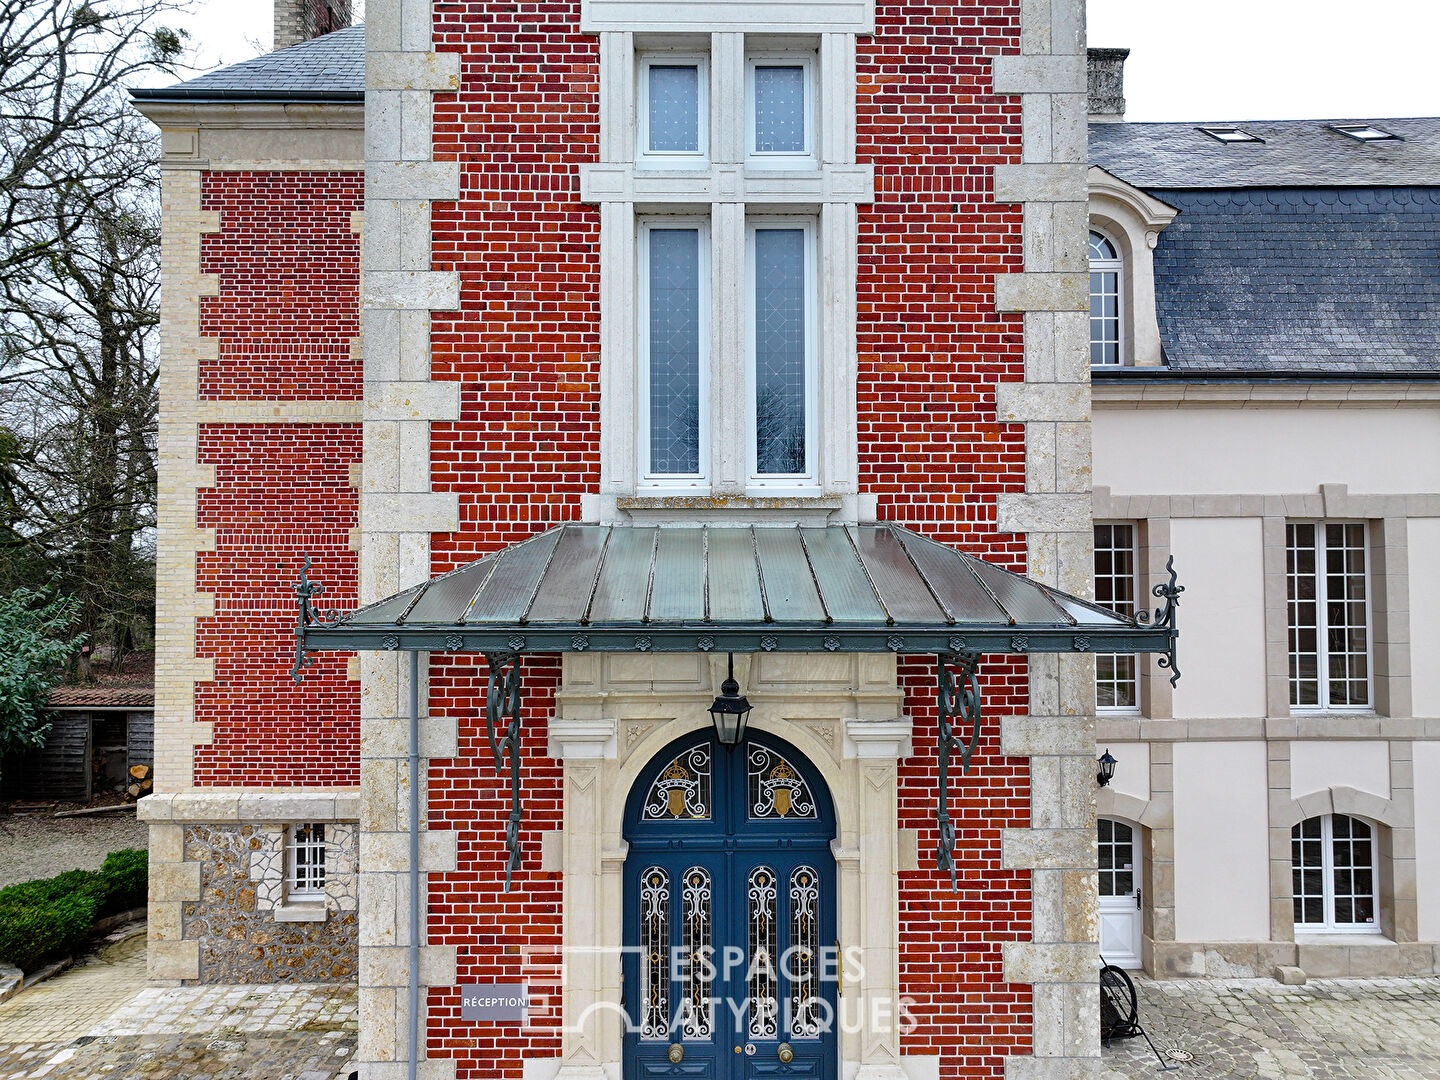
{"type": "Point", "coordinates": [958, 652]}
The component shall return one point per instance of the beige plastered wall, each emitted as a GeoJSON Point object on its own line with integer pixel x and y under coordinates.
{"type": "Point", "coordinates": [1213, 473]}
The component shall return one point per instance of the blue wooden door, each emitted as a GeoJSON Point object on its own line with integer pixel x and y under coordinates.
{"type": "Point", "coordinates": [731, 960]}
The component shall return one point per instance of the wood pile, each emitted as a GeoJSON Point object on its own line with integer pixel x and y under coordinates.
{"type": "Point", "coordinates": [141, 782]}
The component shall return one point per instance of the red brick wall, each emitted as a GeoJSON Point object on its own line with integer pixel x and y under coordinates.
{"type": "Point", "coordinates": [931, 350]}
{"type": "Point", "coordinates": [281, 491]}
{"type": "Point", "coordinates": [289, 303]}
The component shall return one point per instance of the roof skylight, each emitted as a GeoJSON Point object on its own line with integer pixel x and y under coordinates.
{"type": "Point", "coordinates": [1231, 134]}
{"type": "Point", "coordinates": [1364, 132]}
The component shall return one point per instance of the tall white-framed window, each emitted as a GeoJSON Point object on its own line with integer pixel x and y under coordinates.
{"type": "Point", "coordinates": [1334, 882]}
{"type": "Point", "coordinates": [672, 122]}
{"type": "Point", "coordinates": [781, 375]}
{"type": "Point", "coordinates": [1117, 687]}
{"type": "Point", "coordinates": [305, 862]}
{"type": "Point", "coordinates": [1106, 267]}
{"type": "Point", "coordinates": [1328, 612]}
{"type": "Point", "coordinates": [780, 99]}
{"type": "Point", "coordinates": [673, 317]}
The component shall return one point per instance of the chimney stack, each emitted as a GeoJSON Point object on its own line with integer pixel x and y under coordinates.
{"type": "Point", "coordinates": [1106, 71]}
{"type": "Point", "coordinates": [301, 20]}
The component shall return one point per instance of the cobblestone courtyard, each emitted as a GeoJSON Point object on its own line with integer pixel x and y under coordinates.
{"type": "Point", "coordinates": [98, 1021]}
{"type": "Point", "coordinates": [1329, 1029]}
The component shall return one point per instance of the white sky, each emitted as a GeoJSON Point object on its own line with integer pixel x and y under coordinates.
{"type": "Point", "coordinates": [1223, 60]}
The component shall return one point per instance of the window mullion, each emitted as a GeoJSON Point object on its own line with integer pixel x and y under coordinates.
{"type": "Point", "coordinates": [1327, 869]}
{"type": "Point", "coordinates": [1322, 622]}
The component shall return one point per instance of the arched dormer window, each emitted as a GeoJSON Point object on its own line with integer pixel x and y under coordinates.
{"type": "Point", "coordinates": [1105, 314]}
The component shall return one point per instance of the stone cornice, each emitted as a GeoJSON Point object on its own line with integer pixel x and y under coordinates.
{"type": "Point", "coordinates": [1149, 394]}
{"type": "Point", "coordinates": [253, 115]}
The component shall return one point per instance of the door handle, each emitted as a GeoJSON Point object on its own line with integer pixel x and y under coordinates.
{"type": "Point", "coordinates": [785, 1053]}
{"type": "Point", "coordinates": [1138, 894]}
{"type": "Point", "coordinates": [839, 970]}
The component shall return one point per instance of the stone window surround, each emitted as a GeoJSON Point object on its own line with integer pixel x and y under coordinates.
{"type": "Point", "coordinates": [1132, 221]}
{"type": "Point", "coordinates": [725, 190]}
{"type": "Point", "coordinates": [1387, 516]}
{"type": "Point", "coordinates": [1396, 950]}
{"type": "Point", "coordinates": [174, 881]}
{"type": "Point", "coordinates": [604, 755]}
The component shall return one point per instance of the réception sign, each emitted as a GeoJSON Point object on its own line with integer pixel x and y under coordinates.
{"type": "Point", "coordinates": [493, 1003]}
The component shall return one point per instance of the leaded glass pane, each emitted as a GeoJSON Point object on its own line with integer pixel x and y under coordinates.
{"type": "Point", "coordinates": [762, 978]}
{"type": "Point", "coordinates": [802, 965]}
{"type": "Point", "coordinates": [682, 790]}
{"type": "Point", "coordinates": [674, 329]}
{"type": "Point", "coordinates": [655, 949]}
{"type": "Point", "coordinates": [697, 954]}
{"type": "Point", "coordinates": [674, 108]}
{"type": "Point", "coordinates": [780, 351]}
{"type": "Point", "coordinates": [780, 109]}
{"type": "Point", "coordinates": [777, 790]}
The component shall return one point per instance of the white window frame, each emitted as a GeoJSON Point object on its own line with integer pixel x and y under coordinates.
{"type": "Point", "coordinates": [1327, 879]}
{"type": "Point", "coordinates": [1117, 267]}
{"type": "Point", "coordinates": [671, 159]}
{"type": "Point", "coordinates": [295, 887]}
{"type": "Point", "coordinates": [1126, 710]}
{"type": "Point", "coordinates": [1322, 660]}
{"type": "Point", "coordinates": [788, 484]}
{"type": "Point", "coordinates": [670, 482]}
{"type": "Point", "coordinates": [809, 157]}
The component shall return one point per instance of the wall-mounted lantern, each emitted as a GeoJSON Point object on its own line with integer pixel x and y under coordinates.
{"type": "Point", "coordinates": [1106, 769]}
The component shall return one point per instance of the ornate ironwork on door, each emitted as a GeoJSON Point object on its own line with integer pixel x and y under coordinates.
{"type": "Point", "coordinates": [776, 789]}
{"type": "Point", "coordinates": [683, 789]}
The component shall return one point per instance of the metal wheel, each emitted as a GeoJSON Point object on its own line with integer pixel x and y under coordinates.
{"type": "Point", "coordinates": [1119, 1007]}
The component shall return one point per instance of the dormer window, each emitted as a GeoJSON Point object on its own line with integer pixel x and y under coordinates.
{"type": "Point", "coordinates": [1105, 269]}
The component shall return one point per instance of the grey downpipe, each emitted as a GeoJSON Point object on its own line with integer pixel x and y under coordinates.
{"type": "Point", "coordinates": [414, 864]}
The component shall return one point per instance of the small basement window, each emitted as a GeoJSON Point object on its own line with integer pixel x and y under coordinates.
{"type": "Point", "coordinates": [1230, 134]}
{"type": "Point", "coordinates": [1364, 132]}
{"type": "Point", "coordinates": [306, 862]}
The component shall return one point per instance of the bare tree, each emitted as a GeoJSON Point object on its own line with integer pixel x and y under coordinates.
{"type": "Point", "coordinates": [79, 281]}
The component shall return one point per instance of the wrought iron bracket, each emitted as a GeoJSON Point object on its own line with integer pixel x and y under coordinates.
{"type": "Point", "coordinates": [306, 592]}
{"type": "Point", "coordinates": [1165, 619]}
{"type": "Point", "coordinates": [502, 708]}
{"type": "Point", "coordinates": [959, 704]}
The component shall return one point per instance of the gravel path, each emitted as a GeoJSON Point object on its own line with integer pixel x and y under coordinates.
{"type": "Point", "coordinates": [41, 847]}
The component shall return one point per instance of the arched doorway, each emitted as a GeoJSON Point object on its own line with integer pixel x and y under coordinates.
{"type": "Point", "coordinates": [730, 964]}
{"type": "Point", "coordinates": [1122, 918]}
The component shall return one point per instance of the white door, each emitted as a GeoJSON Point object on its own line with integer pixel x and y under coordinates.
{"type": "Point", "coordinates": [1120, 915]}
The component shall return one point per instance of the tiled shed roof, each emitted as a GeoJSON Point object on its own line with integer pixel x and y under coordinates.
{"type": "Point", "coordinates": [101, 697]}
{"type": "Point", "coordinates": [329, 68]}
{"type": "Point", "coordinates": [1294, 153]}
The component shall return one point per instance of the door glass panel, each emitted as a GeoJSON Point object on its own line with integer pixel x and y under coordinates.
{"type": "Point", "coordinates": [682, 790]}
{"type": "Point", "coordinates": [802, 960]}
{"type": "Point", "coordinates": [674, 328]}
{"type": "Point", "coordinates": [777, 789]}
{"type": "Point", "coordinates": [764, 1022]}
{"type": "Point", "coordinates": [696, 952]}
{"type": "Point", "coordinates": [1117, 858]}
{"type": "Point", "coordinates": [655, 954]}
{"type": "Point", "coordinates": [780, 351]}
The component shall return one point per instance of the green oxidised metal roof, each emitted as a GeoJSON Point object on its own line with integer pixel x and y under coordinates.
{"type": "Point", "coordinates": [878, 588]}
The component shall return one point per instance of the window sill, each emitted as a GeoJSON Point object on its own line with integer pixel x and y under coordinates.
{"type": "Point", "coordinates": [730, 509]}
{"type": "Point", "coordinates": [1341, 937]}
{"type": "Point", "coordinates": [302, 911]}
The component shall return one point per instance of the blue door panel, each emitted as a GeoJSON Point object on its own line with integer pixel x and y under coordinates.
{"type": "Point", "coordinates": [729, 846]}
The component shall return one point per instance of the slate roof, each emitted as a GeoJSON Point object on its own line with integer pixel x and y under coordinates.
{"type": "Point", "coordinates": [329, 68]}
{"type": "Point", "coordinates": [1314, 280]}
{"type": "Point", "coordinates": [1295, 153]}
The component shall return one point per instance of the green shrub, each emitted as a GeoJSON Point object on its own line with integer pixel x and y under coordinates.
{"type": "Point", "coordinates": [52, 917]}
{"type": "Point", "coordinates": [39, 920]}
{"type": "Point", "coordinates": [127, 879]}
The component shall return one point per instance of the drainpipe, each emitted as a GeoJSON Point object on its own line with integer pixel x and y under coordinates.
{"type": "Point", "coordinates": [414, 863]}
